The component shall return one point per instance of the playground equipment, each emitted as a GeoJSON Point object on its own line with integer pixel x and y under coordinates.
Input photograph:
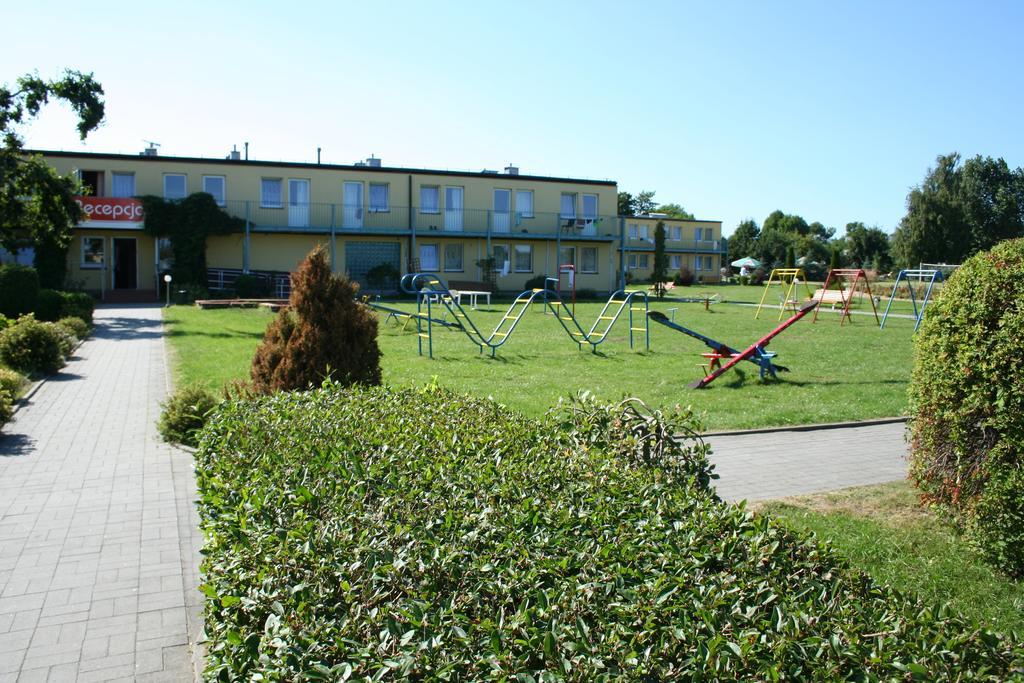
{"type": "Point", "coordinates": [431, 292]}
{"type": "Point", "coordinates": [929, 274]}
{"type": "Point", "coordinates": [790, 276]}
{"type": "Point", "coordinates": [755, 353]}
{"type": "Point", "coordinates": [842, 295]}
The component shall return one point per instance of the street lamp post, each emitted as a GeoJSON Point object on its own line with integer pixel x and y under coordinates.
{"type": "Point", "coordinates": [167, 286]}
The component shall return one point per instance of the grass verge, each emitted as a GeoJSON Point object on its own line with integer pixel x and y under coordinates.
{"type": "Point", "coordinates": [883, 531]}
{"type": "Point", "coordinates": [838, 373]}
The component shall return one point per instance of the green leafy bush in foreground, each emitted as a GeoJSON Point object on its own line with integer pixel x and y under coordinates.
{"type": "Point", "coordinates": [967, 402]}
{"type": "Point", "coordinates": [370, 533]}
{"type": "Point", "coordinates": [31, 346]}
{"type": "Point", "coordinates": [184, 413]}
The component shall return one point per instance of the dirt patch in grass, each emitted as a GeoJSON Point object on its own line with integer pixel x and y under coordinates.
{"type": "Point", "coordinates": [894, 504]}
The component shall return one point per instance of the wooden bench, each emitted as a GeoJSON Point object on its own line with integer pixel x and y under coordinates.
{"type": "Point", "coordinates": [833, 297]}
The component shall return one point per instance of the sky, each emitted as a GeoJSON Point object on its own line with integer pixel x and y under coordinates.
{"type": "Point", "coordinates": [831, 110]}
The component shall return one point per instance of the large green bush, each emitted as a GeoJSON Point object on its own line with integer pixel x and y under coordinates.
{"type": "Point", "coordinates": [19, 288]}
{"type": "Point", "coordinates": [32, 346]}
{"type": "Point", "coordinates": [362, 533]}
{"type": "Point", "coordinates": [48, 305]}
{"type": "Point", "coordinates": [967, 402]}
{"type": "Point", "coordinates": [6, 406]}
{"type": "Point", "coordinates": [11, 381]}
{"type": "Point", "coordinates": [52, 305]}
{"type": "Point", "coordinates": [75, 327]}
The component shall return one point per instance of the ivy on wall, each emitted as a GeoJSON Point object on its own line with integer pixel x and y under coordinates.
{"type": "Point", "coordinates": [188, 222]}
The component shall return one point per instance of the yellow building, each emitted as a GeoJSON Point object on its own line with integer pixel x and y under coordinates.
{"type": "Point", "coordinates": [366, 214]}
{"type": "Point", "coordinates": [696, 246]}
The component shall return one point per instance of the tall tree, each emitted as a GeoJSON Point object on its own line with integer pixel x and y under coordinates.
{"type": "Point", "coordinates": [659, 273]}
{"type": "Point", "coordinates": [643, 203]}
{"type": "Point", "coordinates": [675, 211]}
{"type": "Point", "coordinates": [867, 246]}
{"type": "Point", "coordinates": [626, 204]}
{"type": "Point", "coordinates": [960, 209]}
{"type": "Point", "coordinates": [37, 204]}
{"type": "Point", "coordinates": [743, 241]}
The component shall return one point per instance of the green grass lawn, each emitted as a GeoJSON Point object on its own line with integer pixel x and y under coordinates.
{"type": "Point", "coordinates": [852, 372]}
{"type": "Point", "coordinates": [883, 531]}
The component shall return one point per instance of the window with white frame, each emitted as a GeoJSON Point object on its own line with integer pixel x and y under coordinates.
{"type": "Point", "coordinates": [675, 233]}
{"type": "Point", "coordinates": [378, 197]}
{"type": "Point", "coordinates": [568, 205]}
{"type": "Point", "coordinates": [634, 231]}
{"type": "Point", "coordinates": [428, 257]}
{"type": "Point", "coordinates": [270, 193]}
{"type": "Point", "coordinates": [524, 203]}
{"type": "Point", "coordinates": [500, 254]}
{"type": "Point", "coordinates": [707, 262]}
{"type": "Point", "coordinates": [175, 186]}
{"type": "Point", "coordinates": [701, 234]}
{"type": "Point", "coordinates": [92, 252]}
{"type": "Point", "coordinates": [590, 206]}
{"type": "Point", "coordinates": [122, 185]}
{"type": "Point", "coordinates": [567, 256]}
{"type": "Point", "coordinates": [675, 261]}
{"type": "Point", "coordinates": [453, 257]}
{"type": "Point", "coordinates": [643, 232]}
{"type": "Point", "coordinates": [642, 261]}
{"type": "Point", "coordinates": [588, 259]}
{"type": "Point", "coordinates": [216, 185]}
{"type": "Point", "coordinates": [430, 199]}
{"type": "Point", "coordinates": [631, 260]}
{"type": "Point", "coordinates": [524, 258]}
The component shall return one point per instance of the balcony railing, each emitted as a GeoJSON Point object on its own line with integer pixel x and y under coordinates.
{"type": "Point", "coordinates": [641, 244]}
{"type": "Point", "coordinates": [324, 217]}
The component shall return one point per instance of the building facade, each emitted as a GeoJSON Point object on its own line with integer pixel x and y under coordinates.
{"type": "Point", "coordinates": [692, 245]}
{"type": "Point", "coordinates": [365, 215]}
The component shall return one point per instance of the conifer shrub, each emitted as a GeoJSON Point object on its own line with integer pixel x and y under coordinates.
{"type": "Point", "coordinates": [362, 533]}
{"type": "Point", "coordinates": [19, 289]}
{"type": "Point", "coordinates": [184, 414]}
{"type": "Point", "coordinates": [30, 346]}
{"type": "Point", "coordinates": [323, 333]}
{"type": "Point", "coordinates": [967, 404]}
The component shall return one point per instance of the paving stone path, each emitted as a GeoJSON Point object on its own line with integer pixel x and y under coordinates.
{"type": "Point", "coordinates": [759, 466]}
{"type": "Point", "coordinates": [98, 528]}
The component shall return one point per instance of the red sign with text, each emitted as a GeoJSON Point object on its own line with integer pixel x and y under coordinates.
{"type": "Point", "coordinates": [110, 212]}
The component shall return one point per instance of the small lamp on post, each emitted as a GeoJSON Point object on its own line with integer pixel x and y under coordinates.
{"type": "Point", "coordinates": [167, 286]}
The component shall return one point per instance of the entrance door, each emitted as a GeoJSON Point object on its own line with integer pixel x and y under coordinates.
{"type": "Point", "coordinates": [453, 209]}
{"type": "Point", "coordinates": [352, 205]}
{"type": "Point", "coordinates": [298, 203]}
{"type": "Point", "coordinates": [125, 263]}
{"type": "Point", "coordinates": [502, 220]}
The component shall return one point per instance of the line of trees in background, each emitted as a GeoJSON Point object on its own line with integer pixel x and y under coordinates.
{"type": "Point", "coordinates": [958, 210]}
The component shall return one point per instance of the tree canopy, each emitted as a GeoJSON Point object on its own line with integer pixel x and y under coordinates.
{"type": "Point", "coordinates": [643, 203]}
{"type": "Point", "coordinates": [744, 239]}
{"type": "Point", "coordinates": [960, 209]}
{"type": "Point", "coordinates": [37, 204]}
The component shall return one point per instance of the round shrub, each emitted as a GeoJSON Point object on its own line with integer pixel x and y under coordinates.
{"type": "Point", "coordinates": [184, 415]}
{"type": "Point", "coordinates": [49, 304]}
{"type": "Point", "coordinates": [75, 326]}
{"type": "Point", "coordinates": [31, 346]}
{"type": "Point", "coordinates": [11, 381]}
{"type": "Point", "coordinates": [252, 287]}
{"type": "Point", "coordinates": [19, 288]}
{"type": "Point", "coordinates": [65, 336]}
{"type": "Point", "coordinates": [77, 304]}
{"type": "Point", "coordinates": [967, 404]}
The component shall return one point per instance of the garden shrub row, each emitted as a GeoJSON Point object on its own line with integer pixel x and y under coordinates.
{"type": "Point", "coordinates": [31, 346]}
{"type": "Point", "coordinates": [20, 294]}
{"type": "Point", "coordinates": [420, 534]}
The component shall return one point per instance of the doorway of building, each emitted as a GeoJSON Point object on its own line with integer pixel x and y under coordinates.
{"type": "Point", "coordinates": [125, 263]}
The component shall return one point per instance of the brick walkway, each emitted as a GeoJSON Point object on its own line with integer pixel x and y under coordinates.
{"type": "Point", "coordinates": [790, 463]}
{"type": "Point", "coordinates": [98, 530]}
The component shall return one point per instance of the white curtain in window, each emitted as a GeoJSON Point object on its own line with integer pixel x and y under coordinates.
{"type": "Point", "coordinates": [588, 258]}
{"type": "Point", "coordinates": [214, 185]}
{"type": "Point", "coordinates": [428, 256]}
{"type": "Point", "coordinates": [524, 203]}
{"type": "Point", "coordinates": [270, 192]}
{"type": "Point", "coordinates": [429, 200]}
{"type": "Point", "coordinates": [453, 257]}
{"type": "Point", "coordinates": [524, 258]}
{"type": "Point", "coordinates": [568, 206]}
{"type": "Point", "coordinates": [124, 185]}
{"type": "Point", "coordinates": [590, 206]}
{"type": "Point", "coordinates": [378, 197]}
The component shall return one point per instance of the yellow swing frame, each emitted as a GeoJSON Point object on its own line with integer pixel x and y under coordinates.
{"type": "Point", "coordinates": [794, 275]}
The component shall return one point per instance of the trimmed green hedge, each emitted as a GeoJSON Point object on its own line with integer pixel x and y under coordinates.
{"type": "Point", "coordinates": [366, 533]}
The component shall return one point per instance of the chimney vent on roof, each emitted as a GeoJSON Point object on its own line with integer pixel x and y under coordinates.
{"type": "Point", "coordinates": [150, 151]}
{"type": "Point", "coordinates": [511, 170]}
{"type": "Point", "coordinates": [234, 154]}
{"type": "Point", "coordinates": [373, 162]}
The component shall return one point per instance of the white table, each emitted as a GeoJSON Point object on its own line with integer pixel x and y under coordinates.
{"type": "Point", "coordinates": [473, 297]}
